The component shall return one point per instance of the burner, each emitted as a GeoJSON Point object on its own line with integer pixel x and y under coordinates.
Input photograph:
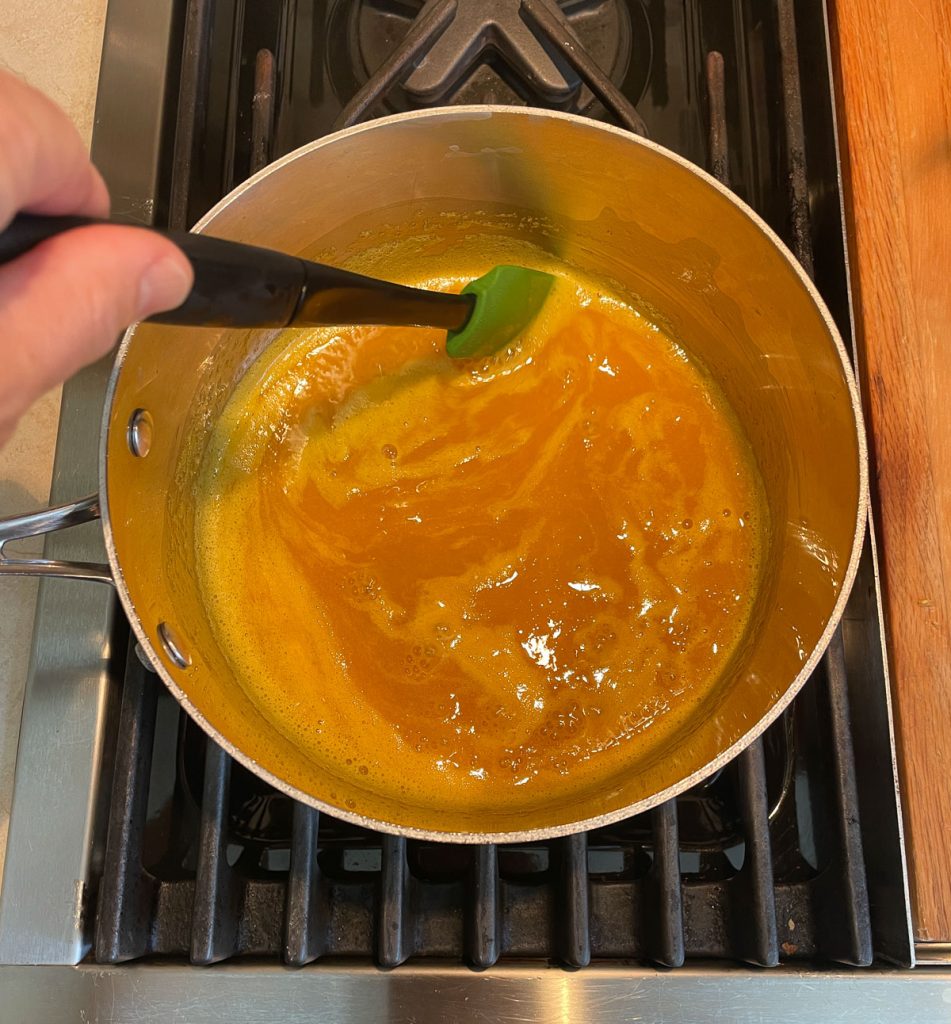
{"type": "Point", "coordinates": [258, 814]}
{"type": "Point", "coordinates": [491, 51]}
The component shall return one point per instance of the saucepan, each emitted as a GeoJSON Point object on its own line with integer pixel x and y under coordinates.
{"type": "Point", "coordinates": [413, 188]}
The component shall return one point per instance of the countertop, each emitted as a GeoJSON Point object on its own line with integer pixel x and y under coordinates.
{"type": "Point", "coordinates": [32, 34]}
{"type": "Point", "coordinates": [894, 87]}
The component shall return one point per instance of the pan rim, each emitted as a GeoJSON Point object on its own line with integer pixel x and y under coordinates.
{"type": "Point", "coordinates": [482, 111]}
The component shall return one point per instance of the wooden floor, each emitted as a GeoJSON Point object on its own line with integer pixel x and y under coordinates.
{"type": "Point", "coordinates": [894, 90]}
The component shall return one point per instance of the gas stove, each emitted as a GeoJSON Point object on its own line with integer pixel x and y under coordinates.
{"type": "Point", "coordinates": [138, 851]}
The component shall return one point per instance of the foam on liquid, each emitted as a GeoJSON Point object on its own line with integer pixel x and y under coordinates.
{"type": "Point", "coordinates": [480, 585]}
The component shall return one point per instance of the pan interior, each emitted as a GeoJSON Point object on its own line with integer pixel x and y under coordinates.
{"type": "Point", "coordinates": [480, 583]}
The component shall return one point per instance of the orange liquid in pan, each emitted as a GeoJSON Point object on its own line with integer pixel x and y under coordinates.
{"type": "Point", "coordinates": [480, 585]}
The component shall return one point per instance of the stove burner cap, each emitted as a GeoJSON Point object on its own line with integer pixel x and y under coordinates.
{"type": "Point", "coordinates": [490, 52]}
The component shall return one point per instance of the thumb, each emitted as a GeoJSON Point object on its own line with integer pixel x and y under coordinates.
{"type": "Point", "coordinates": [64, 303]}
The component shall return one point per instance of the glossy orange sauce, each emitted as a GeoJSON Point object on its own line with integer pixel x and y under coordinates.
{"type": "Point", "coordinates": [480, 584]}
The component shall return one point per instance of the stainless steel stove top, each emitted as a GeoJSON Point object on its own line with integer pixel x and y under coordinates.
{"type": "Point", "coordinates": [333, 62]}
{"type": "Point", "coordinates": [518, 994]}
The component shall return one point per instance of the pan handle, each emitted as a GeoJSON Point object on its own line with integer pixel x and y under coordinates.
{"type": "Point", "coordinates": [48, 520]}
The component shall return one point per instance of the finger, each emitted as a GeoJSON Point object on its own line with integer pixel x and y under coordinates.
{"type": "Point", "coordinates": [64, 303]}
{"type": "Point", "coordinates": [44, 167]}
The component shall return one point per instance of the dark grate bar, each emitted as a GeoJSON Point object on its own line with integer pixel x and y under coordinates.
{"type": "Point", "coordinates": [217, 888]}
{"type": "Point", "coordinates": [394, 938]}
{"type": "Point", "coordinates": [262, 109]}
{"type": "Point", "coordinates": [716, 136]}
{"type": "Point", "coordinates": [484, 921]}
{"type": "Point", "coordinates": [231, 101]}
{"type": "Point", "coordinates": [192, 106]}
{"type": "Point", "coordinates": [302, 910]}
{"type": "Point", "coordinates": [126, 893]}
{"type": "Point", "coordinates": [755, 913]}
{"type": "Point", "coordinates": [576, 938]}
{"type": "Point", "coordinates": [665, 924]}
{"type": "Point", "coordinates": [795, 137]}
{"type": "Point", "coordinates": [846, 930]}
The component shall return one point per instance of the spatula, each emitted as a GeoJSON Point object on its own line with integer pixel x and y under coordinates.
{"type": "Point", "coordinates": [239, 285]}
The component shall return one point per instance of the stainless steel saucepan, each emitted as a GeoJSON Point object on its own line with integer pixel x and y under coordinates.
{"type": "Point", "coordinates": [405, 191]}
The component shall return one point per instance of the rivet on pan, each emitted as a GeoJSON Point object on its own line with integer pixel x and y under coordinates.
{"type": "Point", "coordinates": [171, 646]}
{"type": "Point", "coordinates": [139, 434]}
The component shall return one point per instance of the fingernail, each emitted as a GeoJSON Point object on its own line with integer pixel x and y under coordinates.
{"type": "Point", "coordinates": [164, 285]}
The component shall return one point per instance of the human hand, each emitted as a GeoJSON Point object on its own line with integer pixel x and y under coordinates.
{"type": "Point", "coordinates": [63, 304]}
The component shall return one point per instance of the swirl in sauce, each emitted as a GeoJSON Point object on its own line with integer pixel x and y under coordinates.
{"type": "Point", "coordinates": [472, 584]}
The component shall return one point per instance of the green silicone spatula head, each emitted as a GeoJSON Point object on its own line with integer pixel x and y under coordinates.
{"type": "Point", "coordinates": [507, 300]}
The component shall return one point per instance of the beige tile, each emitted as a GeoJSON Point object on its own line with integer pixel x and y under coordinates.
{"type": "Point", "coordinates": [54, 45]}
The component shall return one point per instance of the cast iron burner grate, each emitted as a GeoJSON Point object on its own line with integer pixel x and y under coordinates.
{"type": "Point", "coordinates": [762, 862]}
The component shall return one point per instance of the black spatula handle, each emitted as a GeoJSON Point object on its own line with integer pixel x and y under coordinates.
{"type": "Point", "coordinates": [238, 285]}
{"type": "Point", "coordinates": [235, 285]}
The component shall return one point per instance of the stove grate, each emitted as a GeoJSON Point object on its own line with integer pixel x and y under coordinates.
{"type": "Point", "coordinates": [760, 864]}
